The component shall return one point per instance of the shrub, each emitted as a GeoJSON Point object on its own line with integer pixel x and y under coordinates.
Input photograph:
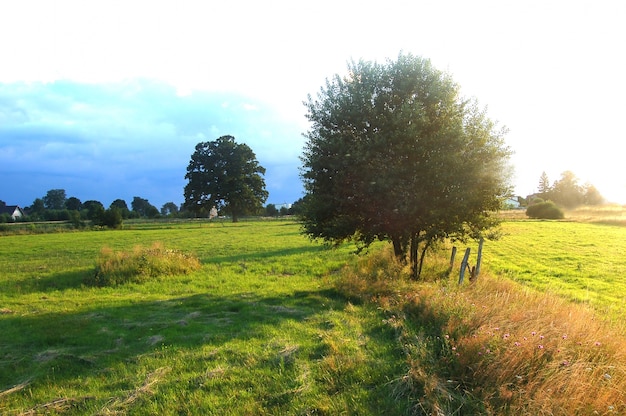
{"type": "Point", "coordinates": [140, 264]}
{"type": "Point", "coordinates": [545, 210]}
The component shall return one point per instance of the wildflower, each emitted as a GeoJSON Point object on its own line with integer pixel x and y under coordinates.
{"type": "Point", "coordinates": [564, 336]}
{"type": "Point", "coordinates": [565, 363]}
{"type": "Point", "coordinates": [540, 346]}
{"type": "Point", "coordinates": [517, 344]}
{"type": "Point", "coordinates": [505, 336]}
{"type": "Point", "coordinates": [597, 344]}
{"type": "Point", "coordinates": [533, 333]}
{"type": "Point", "coordinates": [607, 376]}
{"type": "Point", "coordinates": [525, 339]}
{"type": "Point", "coordinates": [541, 337]}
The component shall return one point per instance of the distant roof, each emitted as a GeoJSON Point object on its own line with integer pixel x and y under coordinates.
{"type": "Point", "coordinates": [9, 209]}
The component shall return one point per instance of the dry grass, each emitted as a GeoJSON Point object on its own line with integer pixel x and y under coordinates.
{"type": "Point", "coordinates": [140, 264]}
{"type": "Point", "coordinates": [495, 347]}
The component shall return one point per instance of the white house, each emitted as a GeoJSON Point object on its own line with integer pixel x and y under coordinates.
{"type": "Point", "coordinates": [13, 210]}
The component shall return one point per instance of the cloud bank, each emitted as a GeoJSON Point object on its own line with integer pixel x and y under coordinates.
{"type": "Point", "coordinates": [132, 138]}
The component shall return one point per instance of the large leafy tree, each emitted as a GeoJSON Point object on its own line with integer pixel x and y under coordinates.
{"type": "Point", "coordinates": [395, 154]}
{"type": "Point", "coordinates": [225, 175]}
{"type": "Point", "coordinates": [54, 199]}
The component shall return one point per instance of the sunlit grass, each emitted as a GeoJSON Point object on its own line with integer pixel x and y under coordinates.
{"type": "Point", "coordinates": [495, 347]}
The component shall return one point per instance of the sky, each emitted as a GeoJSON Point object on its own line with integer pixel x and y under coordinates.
{"type": "Point", "coordinates": [107, 99]}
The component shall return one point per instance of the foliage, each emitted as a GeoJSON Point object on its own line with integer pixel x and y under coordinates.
{"type": "Point", "coordinates": [122, 206]}
{"type": "Point", "coordinates": [568, 193]}
{"type": "Point", "coordinates": [395, 154]}
{"type": "Point", "coordinates": [73, 204]}
{"type": "Point", "coordinates": [169, 208]}
{"type": "Point", "coordinates": [143, 208]}
{"type": "Point", "coordinates": [545, 210]}
{"type": "Point", "coordinates": [225, 175]}
{"type": "Point", "coordinates": [140, 264]}
{"type": "Point", "coordinates": [55, 199]}
{"type": "Point", "coordinates": [111, 218]}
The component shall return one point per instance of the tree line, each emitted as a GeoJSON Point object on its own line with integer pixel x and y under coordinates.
{"type": "Point", "coordinates": [567, 192]}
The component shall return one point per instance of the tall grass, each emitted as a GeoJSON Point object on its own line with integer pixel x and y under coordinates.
{"type": "Point", "coordinates": [140, 264]}
{"type": "Point", "coordinates": [494, 347]}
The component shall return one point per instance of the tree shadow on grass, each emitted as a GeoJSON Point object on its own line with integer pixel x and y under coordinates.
{"type": "Point", "coordinates": [66, 346]}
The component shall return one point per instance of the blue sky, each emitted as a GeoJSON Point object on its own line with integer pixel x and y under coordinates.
{"type": "Point", "coordinates": [108, 99]}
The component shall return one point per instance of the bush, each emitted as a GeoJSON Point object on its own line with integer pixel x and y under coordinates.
{"type": "Point", "coordinates": [545, 210]}
{"type": "Point", "coordinates": [141, 264]}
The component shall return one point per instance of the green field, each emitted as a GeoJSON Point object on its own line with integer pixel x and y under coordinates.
{"type": "Point", "coordinates": [584, 262]}
{"type": "Point", "coordinates": [260, 329]}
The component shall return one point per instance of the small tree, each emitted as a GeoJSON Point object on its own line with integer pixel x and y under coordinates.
{"type": "Point", "coordinates": [395, 154]}
{"type": "Point", "coordinates": [169, 209]}
{"type": "Point", "coordinates": [271, 211]}
{"type": "Point", "coordinates": [225, 175]}
{"type": "Point", "coordinates": [122, 206]}
{"type": "Point", "coordinates": [143, 208]}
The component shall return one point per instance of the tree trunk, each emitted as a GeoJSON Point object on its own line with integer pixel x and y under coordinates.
{"type": "Point", "coordinates": [415, 269]}
{"type": "Point", "coordinates": [398, 250]}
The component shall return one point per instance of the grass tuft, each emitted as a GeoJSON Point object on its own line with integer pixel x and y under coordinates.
{"type": "Point", "coordinates": [141, 264]}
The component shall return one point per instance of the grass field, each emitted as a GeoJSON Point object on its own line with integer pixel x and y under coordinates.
{"type": "Point", "coordinates": [582, 261]}
{"type": "Point", "coordinates": [275, 324]}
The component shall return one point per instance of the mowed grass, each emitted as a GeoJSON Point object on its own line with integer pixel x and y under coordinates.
{"type": "Point", "coordinates": [581, 261]}
{"type": "Point", "coordinates": [275, 324]}
{"type": "Point", "coordinates": [258, 329]}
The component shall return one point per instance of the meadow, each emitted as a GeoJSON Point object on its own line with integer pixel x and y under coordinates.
{"type": "Point", "coordinates": [273, 323]}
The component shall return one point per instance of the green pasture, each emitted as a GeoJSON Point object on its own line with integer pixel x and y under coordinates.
{"type": "Point", "coordinates": [584, 262]}
{"type": "Point", "coordinates": [259, 329]}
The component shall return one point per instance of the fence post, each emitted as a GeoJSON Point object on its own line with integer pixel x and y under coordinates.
{"type": "Point", "coordinates": [479, 256]}
{"type": "Point", "coordinates": [464, 265]}
{"type": "Point", "coordinates": [452, 259]}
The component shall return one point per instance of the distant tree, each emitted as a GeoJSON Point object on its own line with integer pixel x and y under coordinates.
{"type": "Point", "coordinates": [544, 185]}
{"type": "Point", "coordinates": [591, 195]}
{"type": "Point", "coordinates": [284, 210]}
{"type": "Point", "coordinates": [123, 208]}
{"type": "Point", "coordinates": [566, 192]}
{"type": "Point", "coordinates": [73, 204]}
{"type": "Point", "coordinates": [37, 209]}
{"type": "Point", "coordinates": [2, 204]}
{"type": "Point", "coordinates": [144, 208]}
{"type": "Point", "coordinates": [395, 154]}
{"type": "Point", "coordinates": [271, 211]}
{"type": "Point", "coordinates": [169, 208]}
{"type": "Point", "coordinates": [224, 174]}
{"type": "Point", "coordinates": [55, 199]}
{"type": "Point", "coordinates": [93, 210]}
{"type": "Point", "coordinates": [111, 218]}
{"type": "Point", "coordinates": [75, 219]}
{"type": "Point", "coordinates": [297, 207]}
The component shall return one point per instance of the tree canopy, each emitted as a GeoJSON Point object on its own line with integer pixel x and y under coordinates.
{"type": "Point", "coordinates": [225, 175]}
{"type": "Point", "coordinates": [395, 154]}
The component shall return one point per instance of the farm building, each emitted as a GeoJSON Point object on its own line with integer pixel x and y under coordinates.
{"type": "Point", "coordinates": [13, 210]}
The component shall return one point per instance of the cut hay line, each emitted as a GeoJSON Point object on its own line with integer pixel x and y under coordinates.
{"type": "Point", "coordinates": [120, 406]}
{"type": "Point", "coordinates": [15, 389]}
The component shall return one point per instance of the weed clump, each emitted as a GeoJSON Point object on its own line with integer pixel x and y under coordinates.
{"type": "Point", "coordinates": [140, 264]}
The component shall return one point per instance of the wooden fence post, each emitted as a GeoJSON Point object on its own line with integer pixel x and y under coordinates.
{"type": "Point", "coordinates": [479, 257]}
{"type": "Point", "coordinates": [464, 265]}
{"type": "Point", "coordinates": [452, 256]}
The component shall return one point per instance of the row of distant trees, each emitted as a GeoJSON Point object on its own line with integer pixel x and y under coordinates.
{"type": "Point", "coordinates": [567, 192]}
{"type": "Point", "coordinates": [56, 206]}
